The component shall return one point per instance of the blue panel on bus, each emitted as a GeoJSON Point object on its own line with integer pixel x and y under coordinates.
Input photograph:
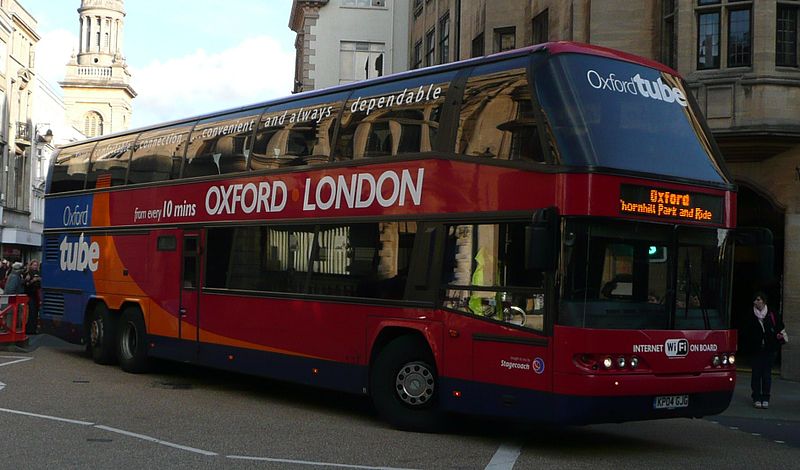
{"type": "Point", "coordinates": [68, 212]}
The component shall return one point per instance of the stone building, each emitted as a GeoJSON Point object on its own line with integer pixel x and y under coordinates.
{"type": "Point", "coordinates": [741, 59]}
{"type": "Point", "coordinates": [18, 38]}
{"type": "Point", "coordinates": [341, 41]}
{"type": "Point", "coordinates": [97, 90]}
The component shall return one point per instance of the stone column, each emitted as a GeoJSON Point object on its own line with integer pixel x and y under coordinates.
{"type": "Point", "coordinates": [790, 355]}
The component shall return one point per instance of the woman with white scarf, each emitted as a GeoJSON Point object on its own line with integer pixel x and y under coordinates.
{"type": "Point", "coordinates": [765, 326]}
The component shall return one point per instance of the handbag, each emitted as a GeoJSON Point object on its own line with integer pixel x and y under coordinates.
{"type": "Point", "coordinates": [783, 337]}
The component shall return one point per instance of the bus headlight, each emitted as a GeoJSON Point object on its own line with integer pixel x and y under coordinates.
{"type": "Point", "coordinates": [716, 361]}
{"type": "Point", "coordinates": [731, 359]}
{"type": "Point", "coordinates": [634, 362]}
{"type": "Point", "coordinates": [608, 362]}
{"type": "Point", "coordinates": [621, 362]}
{"type": "Point", "coordinates": [724, 359]}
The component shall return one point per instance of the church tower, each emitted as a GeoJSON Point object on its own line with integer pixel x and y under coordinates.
{"type": "Point", "coordinates": [97, 91]}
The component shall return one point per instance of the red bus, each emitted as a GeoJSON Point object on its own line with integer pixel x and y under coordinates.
{"type": "Point", "coordinates": [542, 234]}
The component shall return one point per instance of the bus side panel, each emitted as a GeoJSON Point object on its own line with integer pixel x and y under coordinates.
{"type": "Point", "coordinates": [139, 274]}
{"type": "Point", "coordinates": [326, 334]}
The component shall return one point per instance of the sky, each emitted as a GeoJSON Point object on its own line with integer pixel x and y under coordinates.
{"type": "Point", "coordinates": [186, 57]}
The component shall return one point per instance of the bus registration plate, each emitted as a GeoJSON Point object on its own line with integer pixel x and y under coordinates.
{"type": "Point", "coordinates": [670, 402]}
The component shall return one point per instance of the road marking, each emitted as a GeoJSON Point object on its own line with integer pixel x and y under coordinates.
{"type": "Point", "coordinates": [316, 464]}
{"type": "Point", "coordinates": [155, 440]}
{"type": "Point", "coordinates": [2, 385]}
{"type": "Point", "coordinates": [505, 457]}
{"type": "Point", "coordinates": [52, 418]}
{"type": "Point", "coordinates": [18, 359]}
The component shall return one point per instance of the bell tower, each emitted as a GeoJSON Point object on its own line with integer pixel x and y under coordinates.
{"type": "Point", "coordinates": [97, 91]}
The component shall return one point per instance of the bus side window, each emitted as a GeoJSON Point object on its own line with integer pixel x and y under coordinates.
{"type": "Point", "coordinates": [497, 119]}
{"type": "Point", "coordinates": [393, 119]}
{"type": "Point", "coordinates": [221, 145]}
{"type": "Point", "coordinates": [109, 164]}
{"type": "Point", "coordinates": [69, 169]}
{"type": "Point", "coordinates": [157, 155]}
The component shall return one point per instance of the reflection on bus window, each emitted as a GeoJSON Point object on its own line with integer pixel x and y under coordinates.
{"type": "Point", "coordinates": [392, 119]}
{"type": "Point", "coordinates": [367, 260]}
{"type": "Point", "coordinates": [219, 145]}
{"type": "Point", "coordinates": [70, 167]}
{"type": "Point", "coordinates": [297, 135]}
{"type": "Point", "coordinates": [621, 276]}
{"type": "Point", "coordinates": [158, 154]}
{"type": "Point", "coordinates": [109, 164]}
{"type": "Point", "coordinates": [485, 274]}
{"type": "Point", "coordinates": [497, 119]}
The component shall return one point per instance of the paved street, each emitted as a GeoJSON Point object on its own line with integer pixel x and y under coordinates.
{"type": "Point", "coordinates": [59, 409]}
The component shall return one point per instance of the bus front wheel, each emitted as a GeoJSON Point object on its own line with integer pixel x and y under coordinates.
{"type": "Point", "coordinates": [403, 385]}
{"type": "Point", "coordinates": [101, 336]}
{"type": "Point", "coordinates": [131, 342]}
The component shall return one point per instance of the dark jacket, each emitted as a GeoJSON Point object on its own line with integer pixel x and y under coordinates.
{"type": "Point", "coordinates": [766, 339]}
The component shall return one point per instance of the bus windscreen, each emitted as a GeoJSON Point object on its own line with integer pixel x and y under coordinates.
{"type": "Point", "coordinates": [619, 115]}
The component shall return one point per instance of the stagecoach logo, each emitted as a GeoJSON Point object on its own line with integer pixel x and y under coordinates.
{"type": "Point", "coordinates": [638, 86]}
{"type": "Point", "coordinates": [676, 348]}
{"type": "Point", "coordinates": [538, 365]}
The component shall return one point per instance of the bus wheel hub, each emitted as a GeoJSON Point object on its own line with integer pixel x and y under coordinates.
{"type": "Point", "coordinates": [415, 383]}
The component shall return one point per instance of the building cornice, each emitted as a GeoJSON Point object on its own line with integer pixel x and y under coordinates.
{"type": "Point", "coordinates": [298, 9]}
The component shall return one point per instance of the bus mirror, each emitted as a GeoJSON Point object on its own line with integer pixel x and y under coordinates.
{"type": "Point", "coordinates": [541, 241]}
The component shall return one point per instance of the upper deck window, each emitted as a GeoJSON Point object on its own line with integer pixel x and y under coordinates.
{"type": "Point", "coordinates": [618, 115]}
{"type": "Point", "coordinates": [158, 154]}
{"type": "Point", "coordinates": [296, 133]}
{"type": "Point", "coordinates": [110, 162]}
{"type": "Point", "coordinates": [393, 118]}
{"type": "Point", "coordinates": [497, 119]}
{"type": "Point", "coordinates": [220, 145]}
{"type": "Point", "coordinates": [69, 170]}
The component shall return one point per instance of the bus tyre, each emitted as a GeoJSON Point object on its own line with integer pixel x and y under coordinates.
{"type": "Point", "coordinates": [131, 342]}
{"type": "Point", "coordinates": [101, 336]}
{"type": "Point", "coordinates": [404, 385]}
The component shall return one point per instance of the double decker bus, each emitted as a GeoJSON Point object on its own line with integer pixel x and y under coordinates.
{"type": "Point", "coordinates": [543, 234]}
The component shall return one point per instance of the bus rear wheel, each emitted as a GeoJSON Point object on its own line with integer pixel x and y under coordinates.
{"type": "Point", "coordinates": [404, 385]}
{"type": "Point", "coordinates": [101, 336]}
{"type": "Point", "coordinates": [131, 342]}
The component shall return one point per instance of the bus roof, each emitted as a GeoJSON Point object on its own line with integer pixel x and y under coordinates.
{"type": "Point", "coordinates": [559, 47]}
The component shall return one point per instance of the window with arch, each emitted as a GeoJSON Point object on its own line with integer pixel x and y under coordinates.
{"type": "Point", "coordinates": [92, 124]}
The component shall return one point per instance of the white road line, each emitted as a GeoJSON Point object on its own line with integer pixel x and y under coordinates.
{"type": "Point", "coordinates": [2, 385]}
{"type": "Point", "coordinates": [155, 440]}
{"type": "Point", "coordinates": [52, 418]}
{"type": "Point", "coordinates": [316, 464]}
{"type": "Point", "coordinates": [505, 457]}
{"type": "Point", "coordinates": [18, 359]}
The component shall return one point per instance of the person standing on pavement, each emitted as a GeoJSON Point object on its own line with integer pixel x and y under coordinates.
{"type": "Point", "coordinates": [764, 327]}
{"type": "Point", "coordinates": [32, 284]}
{"type": "Point", "coordinates": [14, 283]}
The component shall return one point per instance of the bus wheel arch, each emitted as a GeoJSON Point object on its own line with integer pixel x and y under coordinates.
{"type": "Point", "coordinates": [100, 332]}
{"type": "Point", "coordinates": [131, 339]}
{"type": "Point", "coordinates": [404, 382]}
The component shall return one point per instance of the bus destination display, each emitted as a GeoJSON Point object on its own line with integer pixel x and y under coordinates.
{"type": "Point", "coordinates": [667, 204]}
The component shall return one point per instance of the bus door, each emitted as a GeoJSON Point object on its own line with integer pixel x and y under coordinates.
{"type": "Point", "coordinates": [190, 284]}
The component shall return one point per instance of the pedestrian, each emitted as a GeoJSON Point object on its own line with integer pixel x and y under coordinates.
{"type": "Point", "coordinates": [14, 283]}
{"type": "Point", "coordinates": [33, 285]}
{"type": "Point", "coordinates": [764, 328]}
{"type": "Point", "coordinates": [5, 269]}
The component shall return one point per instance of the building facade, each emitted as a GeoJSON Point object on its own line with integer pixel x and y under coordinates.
{"type": "Point", "coordinates": [18, 37]}
{"type": "Point", "coordinates": [741, 59]}
{"type": "Point", "coordinates": [341, 41]}
{"type": "Point", "coordinates": [97, 91]}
